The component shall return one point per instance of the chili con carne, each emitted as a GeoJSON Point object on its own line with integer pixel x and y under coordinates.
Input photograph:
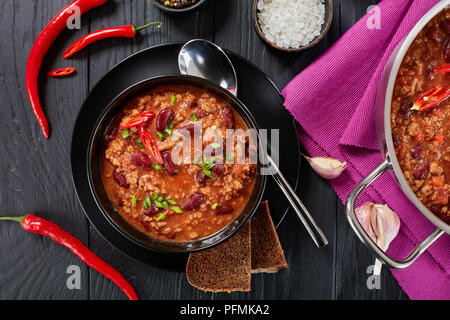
{"type": "Point", "coordinates": [37, 225]}
{"type": "Point", "coordinates": [62, 72]}
{"type": "Point", "coordinates": [128, 31]}
{"type": "Point", "coordinates": [40, 48]}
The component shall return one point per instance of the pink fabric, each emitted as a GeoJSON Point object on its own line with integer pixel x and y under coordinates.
{"type": "Point", "coordinates": [333, 101]}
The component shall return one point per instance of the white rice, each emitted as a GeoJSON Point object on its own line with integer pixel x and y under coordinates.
{"type": "Point", "coordinates": [291, 23]}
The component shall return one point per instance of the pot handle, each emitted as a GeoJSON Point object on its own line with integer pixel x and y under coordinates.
{"type": "Point", "coordinates": [365, 238]}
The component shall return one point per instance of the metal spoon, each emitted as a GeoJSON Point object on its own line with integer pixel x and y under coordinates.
{"type": "Point", "coordinates": [204, 59]}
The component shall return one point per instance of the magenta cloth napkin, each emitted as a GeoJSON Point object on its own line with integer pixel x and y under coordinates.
{"type": "Point", "coordinates": [333, 101]}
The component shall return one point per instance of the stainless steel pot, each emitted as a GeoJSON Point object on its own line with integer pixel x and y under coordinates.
{"type": "Point", "coordinates": [384, 134]}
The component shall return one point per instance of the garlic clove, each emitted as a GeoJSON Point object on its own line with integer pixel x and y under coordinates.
{"type": "Point", "coordinates": [327, 168]}
{"type": "Point", "coordinates": [364, 215]}
{"type": "Point", "coordinates": [380, 222]}
{"type": "Point", "coordinates": [387, 225]}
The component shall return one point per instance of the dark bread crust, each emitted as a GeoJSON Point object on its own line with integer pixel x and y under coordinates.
{"type": "Point", "coordinates": [224, 268]}
{"type": "Point", "coordinates": [267, 253]}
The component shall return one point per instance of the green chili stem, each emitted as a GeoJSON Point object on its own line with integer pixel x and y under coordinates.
{"type": "Point", "coordinates": [17, 219]}
{"type": "Point", "coordinates": [137, 29]}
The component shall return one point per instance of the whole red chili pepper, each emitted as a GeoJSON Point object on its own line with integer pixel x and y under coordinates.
{"type": "Point", "coordinates": [34, 224]}
{"type": "Point", "coordinates": [443, 69]}
{"type": "Point", "coordinates": [62, 72]}
{"type": "Point", "coordinates": [150, 145]}
{"type": "Point", "coordinates": [128, 31]}
{"type": "Point", "coordinates": [138, 120]}
{"type": "Point", "coordinates": [40, 48]}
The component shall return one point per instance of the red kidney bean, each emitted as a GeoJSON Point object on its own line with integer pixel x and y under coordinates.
{"type": "Point", "coordinates": [436, 34]}
{"type": "Point", "coordinates": [190, 128]}
{"type": "Point", "coordinates": [227, 117]}
{"type": "Point", "coordinates": [436, 209]}
{"type": "Point", "coordinates": [201, 177]}
{"type": "Point", "coordinates": [218, 170]}
{"type": "Point", "coordinates": [446, 53]}
{"type": "Point", "coordinates": [142, 160]}
{"type": "Point", "coordinates": [165, 117]}
{"type": "Point", "coordinates": [421, 170]}
{"type": "Point", "coordinates": [192, 104]}
{"type": "Point", "coordinates": [120, 179]}
{"type": "Point", "coordinates": [416, 151]}
{"type": "Point", "coordinates": [200, 113]}
{"type": "Point", "coordinates": [446, 26]}
{"type": "Point", "coordinates": [396, 139]}
{"type": "Point", "coordinates": [193, 202]}
{"type": "Point", "coordinates": [151, 211]}
{"type": "Point", "coordinates": [171, 167]}
{"type": "Point", "coordinates": [224, 209]}
{"type": "Point", "coordinates": [405, 108]}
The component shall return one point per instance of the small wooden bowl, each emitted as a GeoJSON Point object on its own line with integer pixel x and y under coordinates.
{"type": "Point", "coordinates": [158, 4]}
{"type": "Point", "coordinates": [325, 27]}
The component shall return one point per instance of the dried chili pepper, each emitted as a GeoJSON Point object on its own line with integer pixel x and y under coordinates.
{"type": "Point", "coordinates": [128, 31]}
{"type": "Point", "coordinates": [62, 72]}
{"type": "Point", "coordinates": [40, 48]}
{"type": "Point", "coordinates": [430, 98]}
{"type": "Point", "coordinates": [150, 145]}
{"type": "Point", "coordinates": [34, 224]}
{"type": "Point", "coordinates": [443, 69]}
{"type": "Point", "coordinates": [138, 120]}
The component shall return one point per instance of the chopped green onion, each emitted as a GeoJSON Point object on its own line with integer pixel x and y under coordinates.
{"type": "Point", "coordinates": [164, 204]}
{"type": "Point", "coordinates": [156, 166]}
{"type": "Point", "coordinates": [173, 98]}
{"type": "Point", "coordinates": [194, 117]}
{"type": "Point", "coordinates": [215, 145]}
{"type": "Point", "coordinates": [177, 209]}
{"type": "Point", "coordinates": [214, 206]}
{"type": "Point", "coordinates": [155, 196]}
{"type": "Point", "coordinates": [210, 161]}
{"type": "Point", "coordinates": [158, 204]}
{"type": "Point", "coordinates": [133, 200]}
{"type": "Point", "coordinates": [161, 136]}
{"type": "Point", "coordinates": [147, 203]}
{"type": "Point", "coordinates": [160, 198]}
{"type": "Point", "coordinates": [172, 202]}
{"type": "Point", "coordinates": [207, 173]}
{"type": "Point", "coordinates": [125, 133]}
{"type": "Point", "coordinates": [139, 143]}
{"type": "Point", "coordinates": [162, 217]}
{"type": "Point", "coordinates": [171, 125]}
{"type": "Point", "coordinates": [168, 131]}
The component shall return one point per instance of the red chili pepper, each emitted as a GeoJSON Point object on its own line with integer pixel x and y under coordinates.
{"type": "Point", "coordinates": [442, 69]}
{"type": "Point", "coordinates": [34, 224]}
{"type": "Point", "coordinates": [430, 98]}
{"type": "Point", "coordinates": [40, 48]}
{"type": "Point", "coordinates": [62, 72]}
{"type": "Point", "coordinates": [128, 31]}
{"type": "Point", "coordinates": [138, 120]}
{"type": "Point", "coordinates": [150, 145]}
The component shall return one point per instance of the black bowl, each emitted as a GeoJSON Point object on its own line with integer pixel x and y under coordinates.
{"type": "Point", "coordinates": [172, 10]}
{"type": "Point", "coordinates": [96, 147]}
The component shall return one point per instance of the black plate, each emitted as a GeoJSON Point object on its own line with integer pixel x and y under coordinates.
{"type": "Point", "coordinates": [256, 91]}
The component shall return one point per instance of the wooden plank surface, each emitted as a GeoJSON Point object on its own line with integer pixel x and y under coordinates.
{"type": "Point", "coordinates": [36, 176]}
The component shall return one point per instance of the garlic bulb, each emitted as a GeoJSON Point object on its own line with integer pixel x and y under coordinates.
{"type": "Point", "coordinates": [327, 168]}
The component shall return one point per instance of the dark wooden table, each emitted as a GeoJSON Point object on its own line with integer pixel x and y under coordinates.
{"type": "Point", "coordinates": [35, 174]}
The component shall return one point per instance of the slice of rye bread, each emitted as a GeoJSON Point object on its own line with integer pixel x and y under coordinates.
{"type": "Point", "coordinates": [224, 268]}
{"type": "Point", "coordinates": [267, 253]}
